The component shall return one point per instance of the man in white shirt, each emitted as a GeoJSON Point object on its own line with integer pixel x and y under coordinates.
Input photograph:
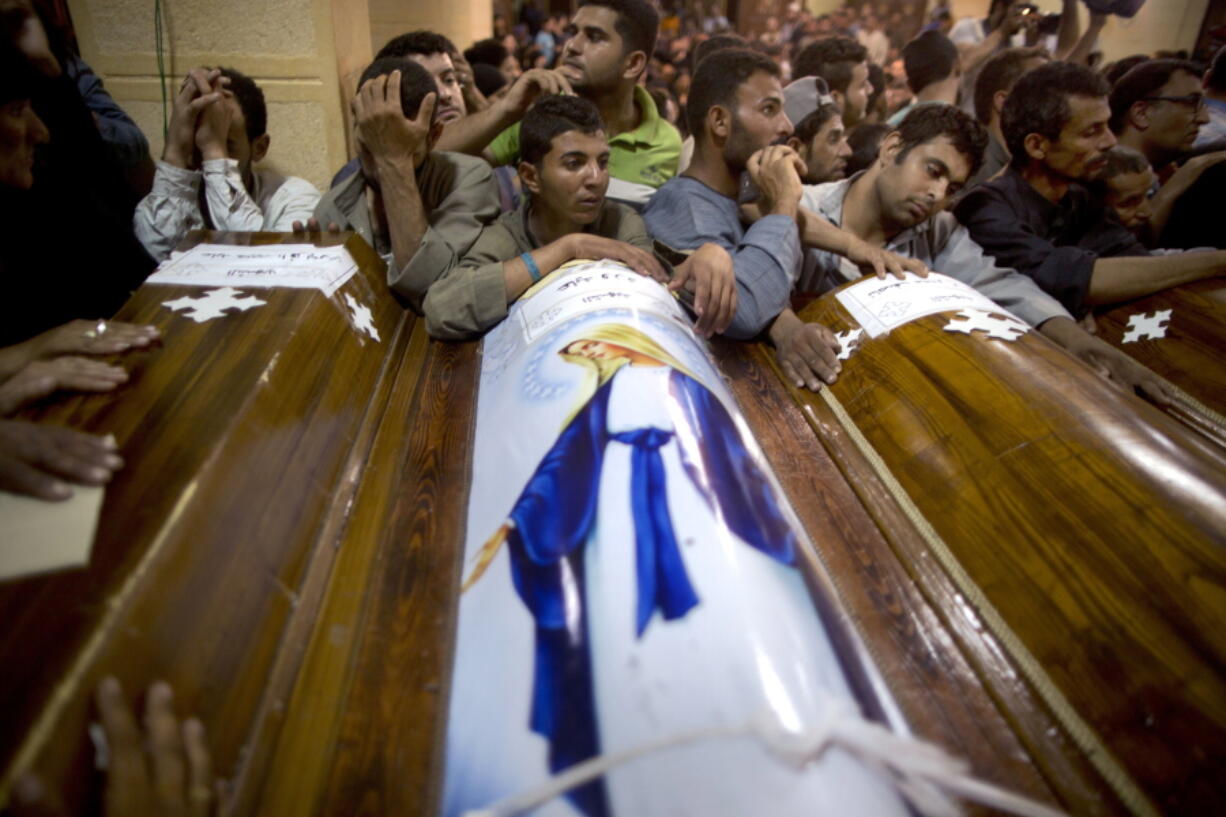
{"type": "Point", "coordinates": [217, 133]}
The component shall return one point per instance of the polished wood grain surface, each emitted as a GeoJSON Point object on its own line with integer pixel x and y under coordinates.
{"type": "Point", "coordinates": [1190, 355]}
{"type": "Point", "coordinates": [238, 436]}
{"type": "Point", "coordinates": [284, 547]}
{"type": "Point", "coordinates": [1092, 522]}
{"type": "Point", "coordinates": [947, 681]}
{"type": "Point", "coordinates": [367, 720]}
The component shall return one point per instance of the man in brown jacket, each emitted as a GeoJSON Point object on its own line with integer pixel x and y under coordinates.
{"type": "Point", "coordinates": [421, 209]}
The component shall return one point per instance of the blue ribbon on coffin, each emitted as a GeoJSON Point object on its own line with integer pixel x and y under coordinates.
{"type": "Point", "coordinates": [553, 519]}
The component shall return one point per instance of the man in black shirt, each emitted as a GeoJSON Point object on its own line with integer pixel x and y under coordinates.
{"type": "Point", "coordinates": [1038, 219]}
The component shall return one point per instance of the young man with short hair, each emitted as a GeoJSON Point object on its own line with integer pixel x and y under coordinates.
{"type": "Point", "coordinates": [564, 167]}
{"type": "Point", "coordinates": [997, 78]}
{"type": "Point", "coordinates": [421, 209]}
{"type": "Point", "coordinates": [933, 72]}
{"type": "Point", "coordinates": [610, 44]}
{"type": "Point", "coordinates": [843, 64]}
{"type": "Point", "coordinates": [217, 134]}
{"type": "Point", "coordinates": [898, 203]}
{"type": "Point", "coordinates": [1037, 218]}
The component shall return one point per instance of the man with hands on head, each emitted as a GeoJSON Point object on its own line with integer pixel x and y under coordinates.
{"type": "Point", "coordinates": [217, 134]}
{"type": "Point", "coordinates": [736, 113]}
{"type": "Point", "coordinates": [563, 165]}
{"type": "Point", "coordinates": [421, 209]}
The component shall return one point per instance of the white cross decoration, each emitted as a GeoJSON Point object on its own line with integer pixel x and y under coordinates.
{"type": "Point", "coordinates": [847, 340]}
{"type": "Point", "coordinates": [362, 319]}
{"type": "Point", "coordinates": [213, 304]}
{"type": "Point", "coordinates": [1002, 327]}
{"type": "Point", "coordinates": [1152, 326]}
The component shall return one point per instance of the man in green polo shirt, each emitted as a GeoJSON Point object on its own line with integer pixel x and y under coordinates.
{"type": "Point", "coordinates": [611, 42]}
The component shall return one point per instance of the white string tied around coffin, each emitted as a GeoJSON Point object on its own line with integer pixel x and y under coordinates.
{"type": "Point", "coordinates": [923, 773]}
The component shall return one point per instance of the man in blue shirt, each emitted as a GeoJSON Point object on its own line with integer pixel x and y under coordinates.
{"type": "Point", "coordinates": [736, 113]}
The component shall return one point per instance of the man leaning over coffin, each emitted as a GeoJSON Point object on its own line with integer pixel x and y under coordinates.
{"type": "Point", "coordinates": [899, 203]}
{"type": "Point", "coordinates": [565, 216]}
{"type": "Point", "coordinates": [421, 209]}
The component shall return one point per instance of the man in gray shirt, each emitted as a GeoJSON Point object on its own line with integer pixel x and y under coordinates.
{"type": "Point", "coordinates": [898, 203]}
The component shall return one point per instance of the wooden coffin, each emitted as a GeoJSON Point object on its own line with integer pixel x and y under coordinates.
{"type": "Point", "coordinates": [244, 438]}
{"type": "Point", "coordinates": [1067, 536]}
{"type": "Point", "coordinates": [1180, 333]}
{"type": "Point", "coordinates": [284, 546]}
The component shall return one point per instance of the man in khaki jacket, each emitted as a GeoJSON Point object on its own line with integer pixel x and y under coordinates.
{"type": "Point", "coordinates": [564, 216]}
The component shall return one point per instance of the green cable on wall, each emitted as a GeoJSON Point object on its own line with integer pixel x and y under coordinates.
{"type": "Point", "coordinates": [160, 48]}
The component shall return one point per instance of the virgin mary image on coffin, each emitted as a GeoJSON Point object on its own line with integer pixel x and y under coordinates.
{"type": "Point", "coordinates": [625, 540]}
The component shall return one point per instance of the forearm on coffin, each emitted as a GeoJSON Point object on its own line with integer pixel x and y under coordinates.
{"type": "Point", "coordinates": [1091, 524]}
{"type": "Point", "coordinates": [240, 439]}
{"type": "Point", "coordinates": [952, 681]}
{"type": "Point", "coordinates": [1185, 346]}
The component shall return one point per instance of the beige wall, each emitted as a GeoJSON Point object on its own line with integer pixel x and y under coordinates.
{"type": "Point", "coordinates": [288, 46]}
{"type": "Point", "coordinates": [463, 21]}
{"type": "Point", "coordinates": [1160, 25]}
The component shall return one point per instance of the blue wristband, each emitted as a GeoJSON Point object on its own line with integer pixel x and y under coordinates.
{"type": "Point", "coordinates": [533, 269]}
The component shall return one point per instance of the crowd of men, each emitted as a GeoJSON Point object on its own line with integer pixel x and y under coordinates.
{"type": "Point", "coordinates": [739, 172]}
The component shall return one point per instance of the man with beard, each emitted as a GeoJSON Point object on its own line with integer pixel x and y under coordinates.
{"type": "Point", "coordinates": [843, 64]}
{"type": "Point", "coordinates": [420, 208]}
{"type": "Point", "coordinates": [610, 43]}
{"type": "Point", "coordinates": [898, 203]}
{"type": "Point", "coordinates": [819, 137]}
{"type": "Point", "coordinates": [1037, 218]}
{"type": "Point", "coordinates": [433, 52]}
{"type": "Point", "coordinates": [736, 113]}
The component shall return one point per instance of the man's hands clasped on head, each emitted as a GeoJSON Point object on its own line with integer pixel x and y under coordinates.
{"type": "Point", "coordinates": [201, 89]}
